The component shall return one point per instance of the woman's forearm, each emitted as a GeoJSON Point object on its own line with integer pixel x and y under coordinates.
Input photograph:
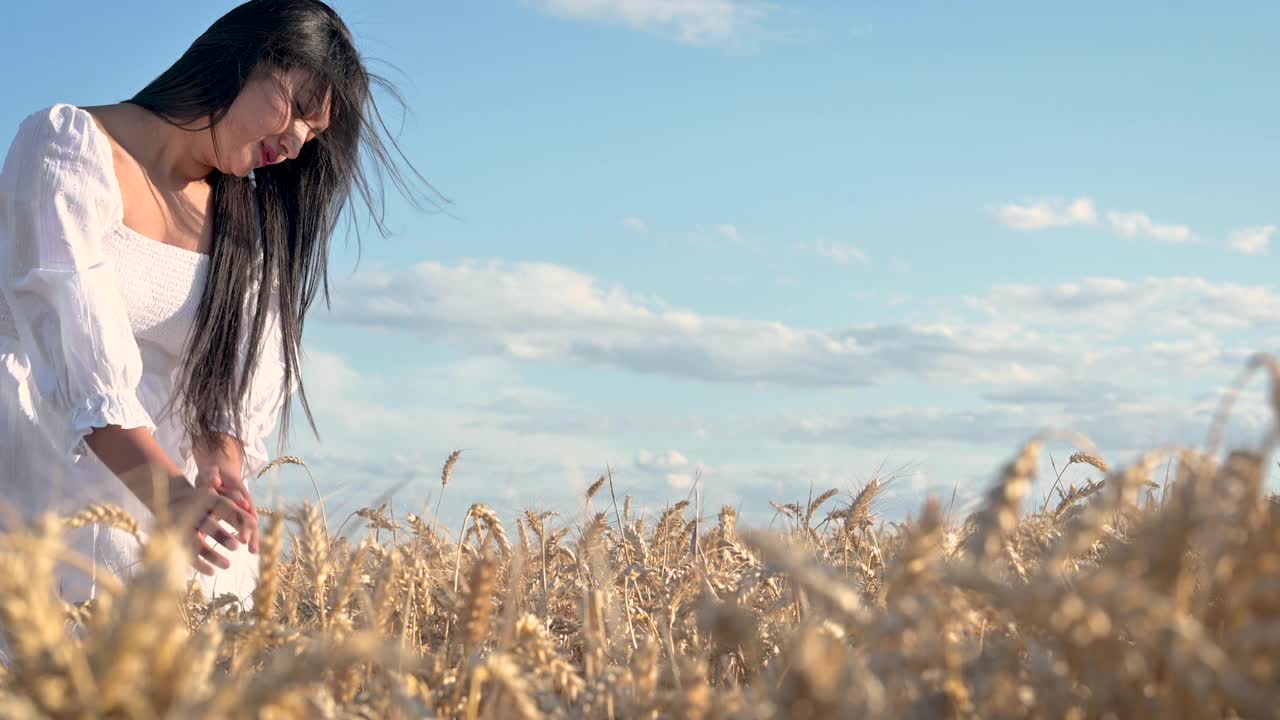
{"type": "Point", "coordinates": [143, 466]}
{"type": "Point", "coordinates": [205, 448]}
{"type": "Point", "coordinates": [138, 460]}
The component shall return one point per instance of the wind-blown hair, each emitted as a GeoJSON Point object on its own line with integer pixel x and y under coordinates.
{"type": "Point", "coordinates": [271, 237]}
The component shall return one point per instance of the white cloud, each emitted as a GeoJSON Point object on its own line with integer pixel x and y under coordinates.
{"type": "Point", "coordinates": [331, 371]}
{"type": "Point", "coordinates": [333, 386]}
{"type": "Point", "coordinates": [1047, 214]}
{"type": "Point", "coordinates": [1102, 356]}
{"type": "Point", "coordinates": [1134, 224]}
{"type": "Point", "coordinates": [1044, 214]}
{"type": "Point", "coordinates": [634, 223]}
{"type": "Point", "coordinates": [394, 426]}
{"type": "Point", "coordinates": [1138, 422]}
{"type": "Point", "coordinates": [679, 481]}
{"type": "Point", "coordinates": [547, 312]}
{"type": "Point", "coordinates": [718, 236]}
{"type": "Point", "coordinates": [999, 339]}
{"type": "Point", "coordinates": [696, 22]}
{"type": "Point", "coordinates": [1112, 310]}
{"type": "Point", "coordinates": [670, 460]}
{"type": "Point", "coordinates": [672, 467]}
{"type": "Point", "coordinates": [949, 440]}
{"type": "Point", "coordinates": [843, 254]}
{"type": "Point", "coordinates": [1105, 356]}
{"type": "Point", "coordinates": [1252, 240]}
{"type": "Point", "coordinates": [729, 232]}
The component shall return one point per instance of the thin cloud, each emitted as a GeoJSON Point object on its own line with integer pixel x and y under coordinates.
{"type": "Point", "coordinates": [545, 312]}
{"type": "Point", "coordinates": [720, 235]}
{"type": "Point", "coordinates": [672, 467]}
{"type": "Point", "coordinates": [729, 232]}
{"type": "Point", "coordinates": [841, 253]}
{"type": "Point", "coordinates": [1123, 425]}
{"type": "Point", "coordinates": [1252, 240]}
{"type": "Point", "coordinates": [634, 223]}
{"type": "Point", "coordinates": [669, 460]}
{"type": "Point", "coordinates": [1133, 224]}
{"type": "Point", "coordinates": [1048, 214]}
{"type": "Point", "coordinates": [540, 311]}
{"type": "Point", "coordinates": [1110, 309]}
{"type": "Point", "coordinates": [1138, 224]}
{"type": "Point", "coordinates": [694, 22]}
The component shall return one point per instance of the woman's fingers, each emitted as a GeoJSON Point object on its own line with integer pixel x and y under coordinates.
{"type": "Point", "coordinates": [203, 513]}
{"type": "Point", "coordinates": [209, 527]}
{"type": "Point", "coordinates": [225, 509]}
{"type": "Point", "coordinates": [245, 503]}
{"type": "Point", "coordinates": [207, 558]}
{"type": "Point", "coordinates": [203, 567]}
{"type": "Point", "coordinates": [233, 487]}
{"type": "Point", "coordinates": [255, 533]}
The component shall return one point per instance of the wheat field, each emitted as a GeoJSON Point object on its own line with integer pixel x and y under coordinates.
{"type": "Point", "coordinates": [1150, 590]}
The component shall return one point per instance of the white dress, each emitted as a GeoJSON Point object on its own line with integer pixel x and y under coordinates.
{"type": "Point", "coordinates": [94, 319]}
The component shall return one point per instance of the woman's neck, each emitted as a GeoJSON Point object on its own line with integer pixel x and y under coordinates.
{"type": "Point", "coordinates": [173, 158]}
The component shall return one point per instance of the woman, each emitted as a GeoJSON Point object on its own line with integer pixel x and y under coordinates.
{"type": "Point", "coordinates": [141, 361]}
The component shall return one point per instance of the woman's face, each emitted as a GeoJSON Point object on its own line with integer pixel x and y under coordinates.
{"type": "Point", "coordinates": [274, 115]}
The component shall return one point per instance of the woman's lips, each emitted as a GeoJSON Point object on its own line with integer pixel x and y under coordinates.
{"type": "Point", "coordinates": [267, 156]}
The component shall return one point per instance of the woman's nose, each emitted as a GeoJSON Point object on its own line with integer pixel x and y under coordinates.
{"type": "Point", "coordinates": [292, 146]}
{"type": "Point", "coordinates": [293, 140]}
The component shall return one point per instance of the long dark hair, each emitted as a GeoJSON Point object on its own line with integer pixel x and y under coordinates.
{"type": "Point", "coordinates": [272, 239]}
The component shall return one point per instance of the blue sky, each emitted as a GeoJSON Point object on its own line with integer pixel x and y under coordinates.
{"type": "Point", "coordinates": [771, 245]}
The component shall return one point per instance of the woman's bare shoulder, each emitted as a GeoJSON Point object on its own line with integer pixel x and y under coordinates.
{"type": "Point", "coordinates": [108, 118]}
{"type": "Point", "coordinates": [117, 123]}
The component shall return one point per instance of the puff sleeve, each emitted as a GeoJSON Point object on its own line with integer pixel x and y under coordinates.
{"type": "Point", "coordinates": [58, 199]}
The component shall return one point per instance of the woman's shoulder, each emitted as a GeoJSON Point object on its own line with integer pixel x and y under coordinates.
{"type": "Point", "coordinates": [62, 132]}
{"type": "Point", "coordinates": [55, 122]}
{"type": "Point", "coordinates": [60, 148]}
{"type": "Point", "coordinates": [59, 137]}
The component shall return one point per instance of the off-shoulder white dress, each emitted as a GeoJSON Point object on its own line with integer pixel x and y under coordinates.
{"type": "Point", "coordinates": [94, 319]}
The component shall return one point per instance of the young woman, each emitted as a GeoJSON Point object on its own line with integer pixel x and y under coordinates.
{"type": "Point", "coordinates": [157, 258]}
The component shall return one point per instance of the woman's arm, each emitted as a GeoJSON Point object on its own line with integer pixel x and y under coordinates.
{"type": "Point", "coordinates": [135, 457]}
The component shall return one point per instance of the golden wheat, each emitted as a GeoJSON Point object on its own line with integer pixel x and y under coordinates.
{"type": "Point", "coordinates": [1112, 603]}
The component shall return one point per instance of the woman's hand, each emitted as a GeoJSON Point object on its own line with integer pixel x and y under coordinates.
{"type": "Point", "coordinates": [201, 509]}
{"type": "Point", "coordinates": [142, 465]}
{"type": "Point", "coordinates": [220, 461]}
